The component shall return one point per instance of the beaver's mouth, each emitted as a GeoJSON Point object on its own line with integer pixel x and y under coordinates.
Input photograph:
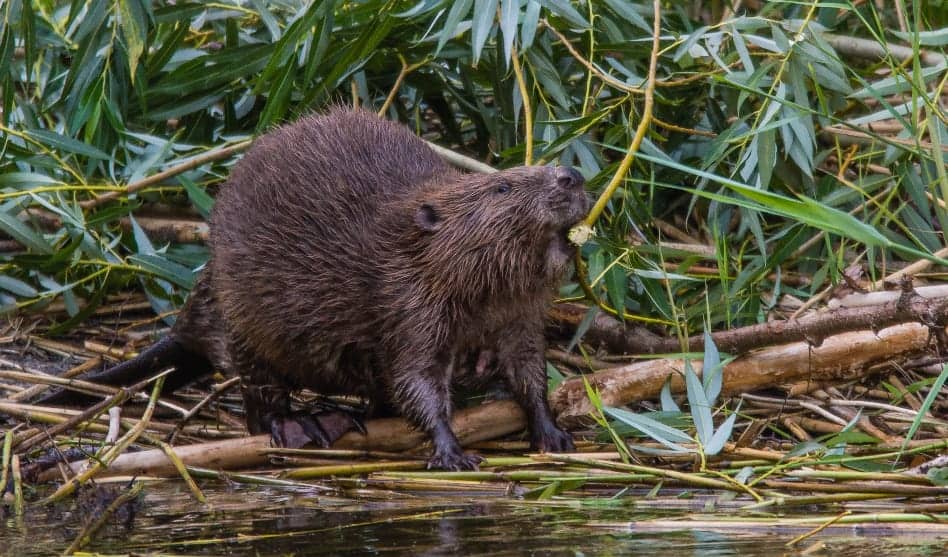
{"type": "Point", "coordinates": [561, 240]}
{"type": "Point", "coordinates": [571, 211]}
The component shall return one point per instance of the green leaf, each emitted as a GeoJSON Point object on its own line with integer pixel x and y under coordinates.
{"type": "Point", "coordinates": [211, 71]}
{"type": "Point", "coordinates": [481, 25]}
{"type": "Point", "coordinates": [21, 232]}
{"type": "Point", "coordinates": [666, 435]}
{"type": "Point", "coordinates": [933, 392]}
{"type": "Point", "coordinates": [17, 287]}
{"type": "Point", "coordinates": [26, 180]}
{"type": "Point", "coordinates": [766, 156]}
{"type": "Point", "coordinates": [162, 267]}
{"type": "Point", "coordinates": [565, 10]}
{"type": "Point", "coordinates": [93, 303]}
{"type": "Point", "coordinates": [528, 28]}
{"type": "Point", "coordinates": [269, 21]}
{"type": "Point", "coordinates": [626, 10]}
{"type": "Point", "coordinates": [895, 84]}
{"type": "Point", "coordinates": [584, 325]}
{"type": "Point", "coordinates": [712, 374]}
{"type": "Point", "coordinates": [141, 239]}
{"type": "Point", "coordinates": [668, 403]}
{"type": "Point", "coordinates": [58, 142]}
{"type": "Point", "coordinates": [616, 285]}
{"type": "Point", "coordinates": [459, 10]}
{"type": "Point", "coordinates": [720, 437]}
{"type": "Point", "coordinates": [545, 72]}
{"type": "Point", "coordinates": [938, 37]}
{"type": "Point", "coordinates": [278, 101]}
{"type": "Point", "coordinates": [699, 405]}
{"type": "Point", "coordinates": [199, 198]}
{"type": "Point", "coordinates": [134, 25]}
{"type": "Point", "coordinates": [509, 12]}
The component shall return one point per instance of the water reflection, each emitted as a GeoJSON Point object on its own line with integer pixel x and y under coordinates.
{"type": "Point", "coordinates": [271, 521]}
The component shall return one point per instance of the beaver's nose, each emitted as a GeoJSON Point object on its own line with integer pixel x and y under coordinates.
{"type": "Point", "coordinates": [568, 178]}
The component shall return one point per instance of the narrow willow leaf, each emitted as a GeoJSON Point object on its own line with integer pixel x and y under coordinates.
{"type": "Point", "coordinates": [720, 437]}
{"type": "Point", "coordinates": [268, 20]}
{"type": "Point", "coordinates": [699, 406]}
{"type": "Point", "coordinates": [141, 239]}
{"type": "Point", "coordinates": [742, 51]}
{"type": "Point", "coordinates": [690, 42]}
{"type": "Point", "coordinates": [278, 101]}
{"type": "Point", "coordinates": [627, 11]}
{"type": "Point", "coordinates": [829, 79]}
{"type": "Point", "coordinates": [92, 304]}
{"type": "Point", "coordinates": [745, 474]}
{"type": "Point", "coordinates": [711, 372]}
{"type": "Point", "coordinates": [211, 71]}
{"type": "Point", "coordinates": [162, 267]}
{"type": "Point", "coordinates": [26, 180]}
{"type": "Point", "coordinates": [766, 157]}
{"type": "Point", "coordinates": [59, 142]}
{"type": "Point", "coordinates": [616, 285]}
{"type": "Point", "coordinates": [22, 233]}
{"type": "Point", "coordinates": [483, 22]}
{"type": "Point", "coordinates": [804, 448]}
{"type": "Point", "coordinates": [509, 13]}
{"type": "Point", "coordinates": [134, 25]}
{"type": "Point", "coordinates": [199, 198]}
{"type": "Point", "coordinates": [938, 37]}
{"type": "Point", "coordinates": [459, 10]}
{"type": "Point", "coordinates": [668, 403]}
{"type": "Point", "coordinates": [528, 29]}
{"type": "Point", "coordinates": [565, 10]}
{"type": "Point", "coordinates": [545, 72]}
{"type": "Point", "coordinates": [176, 109]}
{"type": "Point", "coordinates": [158, 293]}
{"type": "Point", "coordinates": [933, 392]}
{"type": "Point", "coordinates": [584, 325]}
{"type": "Point", "coordinates": [895, 84]}
{"type": "Point", "coordinates": [16, 286]}
{"type": "Point", "coordinates": [666, 435]}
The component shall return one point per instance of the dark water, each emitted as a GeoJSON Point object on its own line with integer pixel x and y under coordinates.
{"type": "Point", "coordinates": [254, 520]}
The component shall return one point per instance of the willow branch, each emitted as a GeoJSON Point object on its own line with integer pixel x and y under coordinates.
{"type": "Point", "coordinates": [643, 123]}
{"type": "Point", "coordinates": [527, 109]}
{"type": "Point", "coordinates": [210, 156]}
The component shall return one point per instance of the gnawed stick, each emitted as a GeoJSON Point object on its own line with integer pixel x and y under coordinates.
{"type": "Point", "coordinates": [471, 425]}
{"type": "Point", "coordinates": [838, 355]}
{"type": "Point", "coordinates": [904, 307]}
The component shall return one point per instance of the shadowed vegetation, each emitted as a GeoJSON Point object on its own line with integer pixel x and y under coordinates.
{"type": "Point", "coordinates": [788, 141]}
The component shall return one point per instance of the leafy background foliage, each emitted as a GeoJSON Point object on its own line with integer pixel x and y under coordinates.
{"type": "Point", "coordinates": [752, 151]}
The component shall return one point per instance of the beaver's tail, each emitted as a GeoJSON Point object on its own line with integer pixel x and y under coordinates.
{"type": "Point", "coordinates": [167, 352]}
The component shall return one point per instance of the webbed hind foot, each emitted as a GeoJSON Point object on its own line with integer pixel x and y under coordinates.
{"type": "Point", "coordinates": [301, 428]}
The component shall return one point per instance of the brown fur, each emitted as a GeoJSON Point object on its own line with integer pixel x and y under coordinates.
{"type": "Point", "coordinates": [348, 258]}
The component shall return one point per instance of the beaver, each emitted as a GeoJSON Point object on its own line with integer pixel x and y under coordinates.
{"type": "Point", "coordinates": [348, 258]}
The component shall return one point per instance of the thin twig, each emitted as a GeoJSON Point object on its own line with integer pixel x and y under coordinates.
{"type": "Point", "coordinates": [210, 156]}
{"type": "Point", "coordinates": [527, 109]}
{"type": "Point", "coordinates": [112, 453]}
{"type": "Point", "coordinates": [406, 69]}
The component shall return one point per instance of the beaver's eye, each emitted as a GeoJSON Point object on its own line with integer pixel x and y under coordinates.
{"type": "Point", "coordinates": [503, 188]}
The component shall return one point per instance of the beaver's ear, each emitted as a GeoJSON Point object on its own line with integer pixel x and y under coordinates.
{"type": "Point", "coordinates": [427, 218]}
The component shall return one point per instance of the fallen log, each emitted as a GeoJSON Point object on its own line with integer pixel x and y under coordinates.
{"type": "Point", "coordinates": [838, 356]}
{"type": "Point", "coordinates": [905, 306]}
{"type": "Point", "coordinates": [471, 425]}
